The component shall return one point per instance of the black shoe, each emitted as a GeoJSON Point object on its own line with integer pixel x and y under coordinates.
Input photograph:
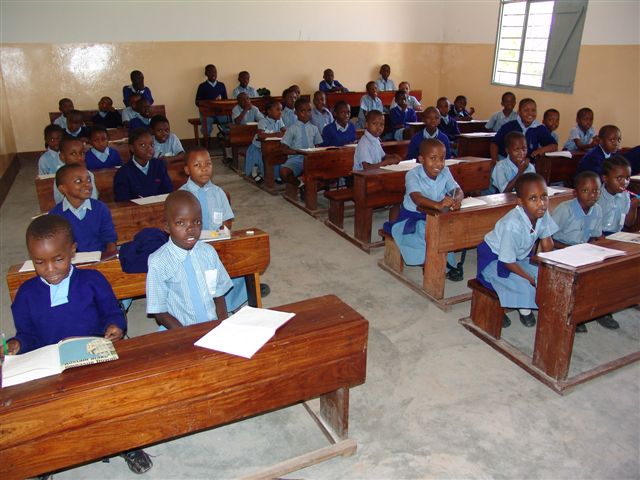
{"type": "Point", "coordinates": [506, 321]}
{"type": "Point", "coordinates": [264, 290]}
{"type": "Point", "coordinates": [608, 322]}
{"type": "Point", "coordinates": [581, 328]}
{"type": "Point", "coordinates": [278, 181]}
{"type": "Point", "coordinates": [528, 320]}
{"type": "Point", "coordinates": [138, 461]}
{"type": "Point", "coordinates": [455, 275]}
{"type": "Point", "coordinates": [303, 192]}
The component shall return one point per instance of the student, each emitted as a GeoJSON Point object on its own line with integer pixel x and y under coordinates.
{"type": "Point", "coordinates": [503, 256]}
{"type": "Point", "coordinates": [412, 101]}
{"type": "Point", "coordinates": [295, 89]}
{"type": "Point", "coordinates": [289, 98]}
{"type": "Point", "coordinates": [143, 175]}
{"type": "Point", "coordinates": [369, 152]}
{"type": "Point", "coordinates": [609, 138]}
{"type": "Point", "coordinates": [384, 83]}
{"type": "Point", "coordinates": [137, 87]}
{"type": "Point", "coordinates": [244, 87]}
{"type": "Point", "coordinates": [72, 151]}
{"type": "Point", "coordinates": [505, 115]}
{"type": "Point", "coordinates": [130, 113]}
{"type": "Point", "coordinates": [331, 85]}
{"type": "Point", "coordinates": [551, 120]}
{"type": "Point", "coordinates": [212, 89]}
{"type": "Point", "coordinates": [582, 137]}
{"type": "Point", "coordinates": [166, 144]}
{"type": "Point", "coordinates": [100, 155]}
{"type": "Point", "coordinates": [430, 186]}
{"type": "Point", "coordinates": [448, 124]}
{"type": "Point", "coordinates": [431, 122]}
{"type": "Point", "coordinates": [143, 119]}
{"type": "Point", "coordinates": [539, 140]}
{"type": "Point", "coordinates": [90, 219]}
{"type": "Point", "coordinates": [107, 115]}
{"type": "Point", "coordinates": [186, 281]}
{"type": "Point", "coordinates": [369, 102]}
{"type": "Point", "coordinates": [320, 114]}
{"type": "Point", "coordinates": [459, 109]}
{"type": "Point", "coordinates": [49, 161]}
{"type": "Point", "coordinates": [215, 208]}
{"type": "Point", "coordinates": [63, 301]}
{"type": "Point", "coordinates": [341, 131]}
{"type": "Point", "coordinates": [65, 105]}
{"type": "Point", "coordinates": [269, 126]}
{"type": "Point", "coordinates": [633, 156]}
{"type": "Point", "coordinates": [244, 112]}
{"type": "Point", "coordinates": [302, 134]}
{"type": "Point", "coordinates": [400, 115]}
{"type": "Point", "coordinates": [75, 127]}
{"type": "Point", "coordinates": [508, 170]}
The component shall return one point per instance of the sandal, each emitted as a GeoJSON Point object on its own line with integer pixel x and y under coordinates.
{"type": "Point", "coordinates": [258, 178]}
{"type": "Point", "coordinates": [138, 461]}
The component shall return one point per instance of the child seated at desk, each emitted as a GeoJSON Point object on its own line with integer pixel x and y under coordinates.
{"type": "Point", "coordinates": [506, 172]}
{"type": "Point", "coordinates": [137, 87]}
{"type": "Point", "coordinates": [609, 138]}
{"type": "Point", "coordinates": [384, 83]}
{"type": "Point", "coordinates": [369, 102]}
{"type": "Point", "coordinates": [551, 120]}
{"type": "Point", "coordinates": [341, 131]}
{"type": "Point", "coordinates": [329, 84]}
{"type": "Point", "coordinates": [448, 124]}
{"type": "Point", "coordinates": [166, 145]}
{"type": "Point", "coordinates": [71, 152]}
{"type": "Point", "coordinates": [49, 161]}
{"type": "Point", "coordinates": [100, 155]}
{"type": "Point", "coordinates": [289, 98]}
{"type": "Point", "coordinates": [244, 112]}
{"type": "Point", "coordinates": [186, 281]}
{"type": "Point", "coordinates": [302, 134]}
{"type": "Point", "coordinates": [582, 137]}
{"type": "Point", "coordinates": [505, 115]}
{"type": "Point", "coordinates": [369, 152]}
{"type": "Point", "coordinates": [400, 115]}
{"type": "Point", "coordinates": [431, 122]}
{"type": "Point", "coordinates": [143, 175]}
{"type": "Point", "coordinates": [430, 186]}
{"type": "Point", "coordinates": [459, 109]}
{"type": "Point", "coordinates": [107, 115]}
{"type": "Point", "coordinates": [539, 140]}
{"type": "Point", "coordinates": [503, 256]}
{"type": "Point", "coordinates": [244, 87]}
{"type": "Point", "coordinates": [320, 114]}
{"type": "Point", "coordinates": [143, 117]}
{"type": "Point", "coordinates": [65, 105]}
{"type": "Point", "coordinates": [269, 126]}
{"type": "Point", "coordinates": [90, 219]}
{"type": "Point", "coordinates": [295, 89]}
{"type": "Point", "coordinates": [75, 126]}
{"type": "Point", "coordinates": [130, 113]}
{"type": "Point", "coordinates": [63, 301]}
{"type": "Point", "coordinates": [212, 89]}
{"type": "Point", "coordinates": [412, 101]}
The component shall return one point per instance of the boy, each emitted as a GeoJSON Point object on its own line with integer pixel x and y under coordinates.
{"type": "Point", "coordinates": [137, 87]}
{"type": "Point", "coordinates": [412, 101]}
{"type": "Point", "coordinates": [100, 155]}
{"type": "Point", "coordinates": [166, 145]}
{"type": "Point", "coordinates": [107, 115]}
{"type": "Point", "coordinates": [431, 122]}
{"type": "Point", "coordinates": [384, 83]}
{"type": "Point", "coordinates": [130, 113]}
{"type": "Point", "coordinates": [244, 112]}
{"type": "Point", "coordinates": [75, 127]}
{"type": "Point", "coordinates": [507, 171]}
{"type": "Point", "coordinates": [329, 84]}
{"type": "Point", "coordinates": [50, 161]}
{"type": "Point", "coordinates": [90, 219]}
{"type": "Point", "coordinates": [269, 126]}
{"type": "Point", "coordinates": [369, 152]}
{"type": "Point", "coordinates": [551, 120]}
{"type": "Point", "coordinates": [582, 137]}
{"type": "Point", "coordinates": [143, 117]}
{"type": "Point", "coordinates": [369, 102]}
{"type": "Point", "coordinates": [72, 151]}
{"type": "Point", "coordinates": [143, 175]}
{"type": "Point", "coordinates": [459, 109]}
{"type": "Point", "coordinates": [212, 89]}
{"type": "Point", "coordinates": [507, 113]}
{"type": "Point", "coordinates": [609, 138]}
{"type": "Point", "coordinates": [288, 113]}
{"type": "Point", "coordinates": [320, 114]}
{"type": "Point", "coordinates": [244, 87]}
{"type": "Point", "coordinates": [341, 131]}
{"type": "Point", "coordinates": [186, 281]}
{"type": "Point", "coordinates": [65, 105]}
{"type": "Point", "coordinates": [448, 124]}
{"type": "Point", "coordinates": [401, 114]}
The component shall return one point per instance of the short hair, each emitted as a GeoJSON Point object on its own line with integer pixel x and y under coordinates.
{"type": "Point", "coordinates": [242, 73]}
{"type": "Point", "coordinates": [156, 119]}
{"type": "Point", "coordinates": [430, 143]}
{"type": "Point", "coordinates": [403, 82]}
{"type": "Point", "coordinates": [67, 140]}
{"type": "Point", "coordinates": [51, 128]}
{"type": "Point", "coordinates": [318, 92]}
{"type": "Point", "coordinates": [327, 70]}
{"type": "Point", "coordinates": [135, 73]}
{"type": "Point", "coordinates": [582, 176]}
{"type": "Point", "coordinates": [286, 92]}
{"type": "Point", "coordinates": [507, 93]}
{"type": "Point", "coordinates": [385, 65]}
{"type": "Point", "coordinates": [369, 84]}
{"type": "Point", "coordinates": [398, 94]}
{"type": "Point", "coordinates": [460, 97]}
{"type": "Point", "coordinates": [511, 137]}
{"type": "Point", "coordinates": [614, 161]}
{"type": "Point", "coordinates": [137, 133]}
{"type": "Point", "coordinates": [240, 95]}
{"type": "Point", "coordinates": [583, 111]}
{"type": "Point", "coordinates": [192, 151]}
{"type": "Point", "coordinates": [62, 101]}
{"type": "Point", "coordinates": [549, 112]}
{"type": "Point", "coordinates": [440, 99]}
{"type": "Point", "coordinates": [527, 179]}
{"type": "Point", "coordinates": [269, 104]}
{"type": "Point", "coordinates": [300, 102]}
{"type": "Point", "coordinates": [211, 65]}
{"type": "Point", "coordinates": [431, 109]}
{"type": "Point", "coordinates": [605, 129]}
{"type": "Point", "coordinates": [178, 197]}
{"type": "Point", "coordinates": [64, 171]}
{"type": "Point", "coordinates": [341, 104]}
{"type": "Point", "coordinates": [524, 101]}
{"type": "Point", "coordinates": [74, 113]}
{"type": "Point", "coordinates": [106, 98]}
{"type": "Point", "coordinates": [97, 128]}
{"type": "Point", "coordinates": [48, 226]}
{"type": "Point", "coordinates": [372, 114]}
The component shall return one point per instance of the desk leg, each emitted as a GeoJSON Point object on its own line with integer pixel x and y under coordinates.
{"type": "Point", "coordinates": [363, 221]}
{"type": "Point", "coordinates": [311, 195]}
{"type": "Point", "coordinates": [196, 133]}
{"type": "Point", "coordinates": [435, 262]}
{"type": "Point", "coordinates": [253, 290]}
{"type": "Point", "coordinates": [269, 177]}
{"type": "Point", "coordinates": [334, 409]}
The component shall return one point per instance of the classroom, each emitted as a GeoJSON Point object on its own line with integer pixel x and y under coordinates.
{"type": "Point", "coordinates": [437, 401]}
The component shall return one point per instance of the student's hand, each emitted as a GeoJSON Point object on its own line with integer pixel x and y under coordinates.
{"type": "Point", "coordinates": [283, 130]}
{"type": "Point", "coordinates": [13, 346]}
{"type": "Point", "coordinates": [113, 333]}
{"type": "Point", "coordinates": [472, 111]}
{"type": "Point", "coordinates": [536, 153]}
{"type": "Point", "coordinates": [532, 281]}
{"type": "Point", "coordinates": [447, 202]}
{"type": "Point", "coordinates": [523, 165]}
{"type": "Point", "coordinates": [457, 204]}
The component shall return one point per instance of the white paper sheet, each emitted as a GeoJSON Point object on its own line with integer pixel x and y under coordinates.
{"type": "Point", "coordinates": [403, 166]}
{"type": "Point", "coordinates": [215, 235]}
{"type": "Point", "coordinates": [551, 191]}
{"type": "Point", "coordinates": [478, 135]}
{"type": "Point", "coordinates": [452, 161]}
{"type": "Point", "coordinates": [625, 237]}
{"type": "Point", "coordinates": [472, 202]}
{"type": "Point", "coordinates": [635, 177]}
{"type": "Point", "coordinates": [152, 199]}
{"type": "Point", "coordinates": [80, 257]}
{"type": "Point", "coordinates": [562, 153]}
{"type": "Point", "coordinates": [46, 175]}
{"type": "Point", "coordinates": [581, 254]}
{"type": "Point", "coordinates": [39, 363]}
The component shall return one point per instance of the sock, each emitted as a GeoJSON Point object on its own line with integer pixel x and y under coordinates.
{"type": "Point", "coordinates": [524, 311]}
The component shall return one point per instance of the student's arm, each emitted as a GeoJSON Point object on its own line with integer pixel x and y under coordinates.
{"type": "Point", "coordinates": [422, 201]}
{"type": "Point", "coordinates": [238, 119]}
{"type": "Point", "coordinates": [389, 159]}
{"type": "Point", "coordinates": [13, 346]}
{"type": "Point", "coordinates": [167, 320]}
{"type": "Point", "coordinates": [632, 214]}
{"type": "Point", "coordinates": [166, 185]}
{"type": "Point", "coordinates": [546, 244]}
{"type": "Point", "coordinates": [518, 270]}
{"type": "Point", "coordinates": [113, 333]}
{"type": "Point", "coordinates": [228, 223]}
{"type": "Point", "coordinates": [542, 150]}
{"type": "Point", "coordinates": [493, 152]}
{"type": "Point", "coordinates": [121, 185]}
{"type": "Point", "coordinates": [521, 169]}
{"type": "Point", "coordinates": [109, 311]}
{"type": "Point", "coordinates": [585, 146]}
{"type": "Point", "coordinates": [221, 308]}
{"type": "Point", "coordinates": [107, 228]}
{"type": "Point", "coordinates": [546, 141]}
{"type": "Point", "coordinates": [174, 158]}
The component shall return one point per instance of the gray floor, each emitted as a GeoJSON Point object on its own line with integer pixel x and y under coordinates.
{"type": "Point", "coordinates": [437, 403]}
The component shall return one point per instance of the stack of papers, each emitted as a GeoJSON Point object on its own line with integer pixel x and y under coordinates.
{"type": "Point", "coordinates": [403, 166]}
{"type": "Point", "coordinates": [551, 191]}
{"type": "Point", "coordinates": [472, 202]}
{"type": "Point", "coordinates": [625, 237]}
{"type": "Point", "coordinates": [478, 134]}
{"type": "Point", "coordinates": [419, 124]}
{"type": "Point", "coordinates": [215, 235]}
{"type": "Point", "coordinates": [562, 153]}
{"type": "Point", "coordinates": [314, 149]}
{"type": "Point", "coordinates": [452, 161]}
{"type": "Point", "coordinates": [45, 176]}
{"type": "Point", "coordinates": [581, 254]}
{"type": "Point", "coordinates": [152, 199]}
{"type": "Point", "coordinates": [80, 257]}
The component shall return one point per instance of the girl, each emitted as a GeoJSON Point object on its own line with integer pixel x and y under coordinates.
{"type": "Point", "coordinates": [269, 126]}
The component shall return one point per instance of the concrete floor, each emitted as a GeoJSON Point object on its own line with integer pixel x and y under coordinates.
{"type": "Point", "coordinates": [437, 403]}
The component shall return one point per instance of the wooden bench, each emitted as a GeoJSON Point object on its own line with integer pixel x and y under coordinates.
{"type": "Point", "coordinates": [163, 386]}
{"type": "Point", "coordinates": [337, 199]}
{"type": "Point", "coordinates": [87, 115]}
{"type": "Point", "coordinates": [486, 311]}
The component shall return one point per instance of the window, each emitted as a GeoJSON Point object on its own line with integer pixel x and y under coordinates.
{"type": "Point", "coordinates": [538, 43]}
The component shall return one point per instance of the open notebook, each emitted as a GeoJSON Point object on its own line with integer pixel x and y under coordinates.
{"type": "Point", "coordinates": [581, 254]}
{"type": "Point", "coordinates": [80, 257]}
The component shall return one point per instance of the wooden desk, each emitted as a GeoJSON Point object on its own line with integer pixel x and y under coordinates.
{"type": "Point", "coordinates": [566, 297]}
{"type": "Point", "coordinates": [558, 169]}
{"type": "Point", "coordinates": [87, 115]}
{"type": "Point", "coordinates": [475, 144]}
{"type": "Point", "coordinates": [471, 126]}
{"type": "Point", "coordinates": [162, 387]}
{"type": "Point", "coordinates": [240, 137]}
{"type": "Point", "coordinates": [413, 128]}
{"type": "Point", "coordinates": [353, 98]}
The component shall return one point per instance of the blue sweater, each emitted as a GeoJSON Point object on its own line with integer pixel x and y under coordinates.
{"type": "Point", "coordinates": [127, 90]}
{"type": "Point", "coordinates": [592, 161]}
{"type": "Point", "coordinates": [95, 230]}
{"type": "Point", "coordinates": [91, 308]}
{"type": "Point", "coordinates": [137, 122]}
{"type": "Point", "coordinates": [536, 137]}
{"type": "Point", "coordinates": [414, 145]}
{"type": "Point", "coordinates": [112, 119]}
{"type": "Point", "coordinates": [450, 129]}
{"type": "Point", "coordinates": [207, 92]}
{"type": "Point", "coordinates": [633, 156]}
{"type": "Point", "coordinates": [399, 117]}
{"type": "Point", "coordinates": [93, 163]}
{"type": "Point", "coordinates": [129, 182]}
{"type": "Point", "coordinates": [332, 137]}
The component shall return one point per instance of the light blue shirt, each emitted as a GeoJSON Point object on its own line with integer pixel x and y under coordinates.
{"type": "Point", "coordinates": [58, 197]}
{"type": "Point", "coordinates": [368, 150]}
{"type": "Point", "coordinates": [289, 117]}
{"type": "Point", "coordinates": [129, 114]}
{"type": "Point", "coordinates": [267, 125]}
{"type": "Point", "coordinates": [59, 293]}
{"type": "Point", "coordinates": [167, 284]}
{"type": "Point", "coordinates": [172, 146]}
{"type": "Point", "coordinates": [49, 162]}
{"type": "Point", "coordinates": [498, 119]}
{"type": "Point", "coordinates": [513, 236]}
{"type": "Point", "coordinates": [144, 169]}
{"type": "Point", "coordinates": [534, 124]}
{"type": "Point", "coordinates": [252, 115]}
{"type": "Point", "coordinates": [249, 90]}
{"type": "Point", "coordinates": [555, 137]}
{"type": "Point", "coordinates": [505, 171]}
{"type": "Point", "coordinates": [385, 85]}
{"type": "Point", "coordinates": [575, 226]}
{"type": "Point", "coordinates": [62, 121]}
{"type": "Point", "coordinates": [218, 208]}
{"type": "Point", "coordinates": [366, 105]}
{"type": "Point", "coordinates": [321, 118]}
{"type": "Point", "coordinates": [614, 210]}
{"type": "Point", "coordinates": [79, 212]}
{"type": "Point", "coordinates": [412, 102]}
{"type": "Point", "coordinates": [417, 180]}
{"type": "Point", "coordinates": [302, 135]}
{"type": "Point", "coordinates": [577, 133]}
{"type": "Point", "coordinates": [102, 156]}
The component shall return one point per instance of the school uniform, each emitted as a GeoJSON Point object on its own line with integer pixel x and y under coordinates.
{"type": "Point", "coordinates": [134, 181]}
{"type": "Point", "coordinates": [49, 162]}
{"type": "Point", "coordinates": [327, 87]}
{"type": "Point", "coordinates": [498, 119]}
{"type": "Point", "coordinates": [575, 226]}
{"type": "Point", "coordinates": [211, 91]}
{"type": "Point", "coordinates": [505, 171]}
{"type": "Point", "coordinates": [171, 147]}
{"type": "Point", "coordinates": [91, 224]}
{"type": "Point", "coordinates": [593, 160]}
{"type": "Point", "coordinates": [366, 105]}
{"type": "Point", "coordinates": [58, 197]}
{"type": "Point", "coordinates": [321, 118]}
{"type": "Point", "coordinates": [397, 116]}
{"type": "Point", "coordinates": [614, 210]}
{"type": "Point", "coordinates": [253, 115]}
{"type": "Point", "coordinates": [184, 283]}
{"type": "Point", "coordinates": [83, 304]}
{"type": "Point", "coordinates": [128, 114]}
{"type": "Point", "coordinates": [129, 90]}
{"type": "Point", "coordinates": [110, 119]}
{"type": "Point", "coordinates": [289, 117]}
{"type": "Point", "coordinates": [633, 156]}
{"type": "Point", "coordinates": [61, 121]}
{"type": "Point", "coordinates": [385, 85]}
{"type": "Point", "coordinates": [462, 113]}
{"type": "Point", "coordinates": [254, 152]}
{"type": "Point", "coordinates": [449, 127]}
{"type": "Point", "coordinates": [249, 90]}
{"type": "Point", "coordinates": [139, 122]}
{"type": "Point", "coordinates": [412, 102]}
{"type": "Point", "coordinates": [334, 135]}
{"type": "Point", "coordinates": [95, 159]}
{"type": "Point", "coordinates": [577, 133]}
{"type": "Point", "coordinates": [82, 132]}
{"type": "Point", "coordinates": [299, 136]}
{"type": "Point", "coordinates": [368, 150]}
{"type": "Point", "coordinates": [555, 137]}
{"type": "Point", "coordinates": [512, 240]}
{"type": "Point", "coordinates": [536, 134]}
{"type": "Point", "coordinates": [414, 145]}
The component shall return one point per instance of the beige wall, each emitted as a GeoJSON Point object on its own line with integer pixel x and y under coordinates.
{"type": "Point", "coordinates": [7, 139]}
